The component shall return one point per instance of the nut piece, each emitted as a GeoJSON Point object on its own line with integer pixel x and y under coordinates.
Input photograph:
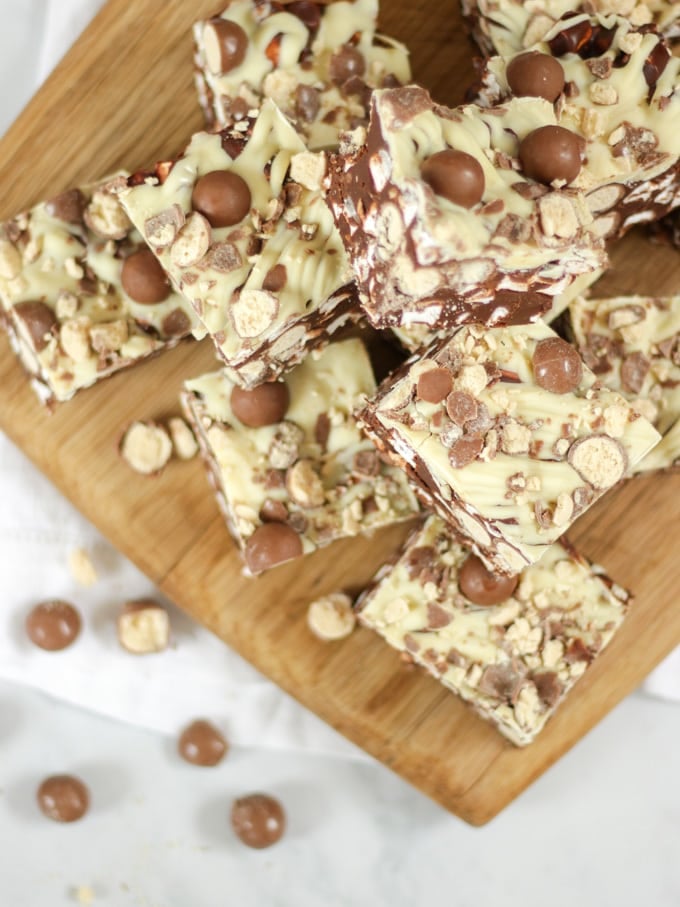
{"type": "Point", "coordinates": [74, 337]}
{"type": "Point", "coordinates": [285, 446]}
{"type": "Point", "coordinates": [599, 460]}
{"type": "Point", "coordinates": [105, 216]}
{"type": "Point", "coordinates": [10, 260]}
{"type": "Point", "coordinates": [81, 567]}
{"type": "Point", "coordinates": [183, 440]}
{"type": "Point", "coordinates": [109, 336]}
{"type": "Point", "coordinates": [253, 312]}
{"type": "Point", "coordinates": [558, 217]}
{"type": "Point", "coordinates": [143, 627]}
{"type": "Point", "coordinates": [308, 169]}
{"type": "Point", "coordinates": [192, 242]}
{"type": "Point", "coordinates": [331, 617]}
{"type": "Point", "coordinates": [146, 447]}
{"type": "Point", "coordinates": [304, 485]}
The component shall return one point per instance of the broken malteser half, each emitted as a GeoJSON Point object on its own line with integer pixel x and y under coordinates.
{"type": "Point", "coordinates": [143, 627]}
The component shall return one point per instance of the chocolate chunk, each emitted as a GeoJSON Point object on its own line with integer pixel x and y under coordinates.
{"type": "Point", "coordinates": [258, 820]}
{"type": "Point", "coordinates": [273, 511]}
{"type": "Point", "coordinates": [366, 463]}
{"type": "Point", "coordinates": [222, 197]}
{"type": "Point", "coordinates": [176, 324]}
{"type": "Point", "coordinates": [202, 744]}
{"type": "Point", "coordinates": [481, 586]}
{"type": "Point", "coordinates": [655, 64]}
{"type": "Point", "coordinates": [557, 366]}
{"type": "Point", "coordinates": [437, 617]}
{"type": "Point", "coordinates": [552, 153]}
{"type": "Point", "coordinates": [465, 451]}
{"type": "Point", "coordinates": [502, 681]}
{"type": "Point", "coordinates": [461, 407]}
{"type": "Point", "coordinates": [271, 544]}
{"type": "Point", "coordinates": [69, 206]}
{"type": "Point", "coordinates": [143, 279]}
{"type": "Point", "coordinates": [582, 38]}
{"type": "Point", "coordinates": [456, 176]}
{"type": "Point", "coordinates": [63, 798]}
{"type": "Point", "coordinates": [434, 385]}
{"type": "Point", "coordinates": [275, 279]}
{"type": "Point", "coordinates": [345, 63]}
{"type": "Point", "coordinates": [307, 103]}
{"type": "Point", "coordinates": [549, 687]}
{"type": "Point", "coordinates": [265, 404]}
{"type": "Point", "coordinates": [577, 651]}
{"type": "Point", "coordinates": [308, 13]}
{"type": "Point", "coordinates": [535, 75]}
{"type": "Point", "coordinates": [322, 430]}
{"type": "Point", "coordinates": [225, 45]}
{"type": "Point", "coordinates": [38, 319]}
{"type": "Point", "coordinates": [634, 370]}
{"type": "Point", "coordinates": [53, 625]}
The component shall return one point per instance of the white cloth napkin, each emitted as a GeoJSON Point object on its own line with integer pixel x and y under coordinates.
{"type": "Point", "coordinates": [198, 675]}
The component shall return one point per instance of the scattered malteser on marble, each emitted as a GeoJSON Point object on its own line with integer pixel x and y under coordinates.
{"type": "Point", "coordinates": [331, 617]}
{"type": "Point", "coordinates": [258, 820]}
{"type": "Point", "coordinates": [507, 435]}
{"type": "Point", "coordinates": [614, 137]}
{"type": "Point", "coordinates": [143, 627]}
{"type": "Point", "coordinates": [82, 569]}
{"type": "Point", "coordinates": [201, 743]}
{"type": "Point", "coordinates": [506, 27]}
{"type": "Point", "coordinates": [82, 296]}
{"type": "Point", "coordinates": [318, 61]}
{"type": "Point", "coordinates": [184, 442]}
{"type": "Point", "coordinates": [63, 798]}
{"type": "Point", "coordinates": [53, 625]}
{"type": "Point", "coordinates": [632, 344]}
{"type": "Point", "coordinates": [511, 647]}
{"type": "Point", "coordinates": [240, 224]}
{"type": "Point", "coordinates": [441, 224]}
{"type": "Point", "coordinates": [290, 467]}
{"type": "Point", "coordinates": [146, 447]}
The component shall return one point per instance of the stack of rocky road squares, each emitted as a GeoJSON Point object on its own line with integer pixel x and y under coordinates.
{"type": "Point", "coordinates": [331, 197]}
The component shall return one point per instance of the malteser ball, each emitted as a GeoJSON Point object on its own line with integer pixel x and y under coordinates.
{"type": "Point", "coordinates": [456, 176]}
{"type": "Point", "coordinates": [222, 197]}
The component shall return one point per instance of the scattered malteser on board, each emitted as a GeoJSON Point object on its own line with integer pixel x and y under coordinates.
{"type": "Point", "coordinates": [146, 447]}
{"type": "Point", "coordinates": [331, 617]}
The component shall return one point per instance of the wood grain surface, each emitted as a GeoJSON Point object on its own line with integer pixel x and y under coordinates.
{"type": "Point", "coordinates": [123, 96]}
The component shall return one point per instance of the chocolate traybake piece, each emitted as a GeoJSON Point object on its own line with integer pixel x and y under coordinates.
{"type": "Point", "coordinates": [291, 470]}
{"type": "Point", "coordinates": [240, 225]}
{"type": "Point", "coordinates": [511, 647]}
{"type": "Point", "coordinates": [615, 86]}
{"type": "Point", "coordinates": [632, 344]}
{"type": "Point", "coordinates": [81, 295]}
{"type": "Point", "coordinates": [505, 27]}
{"type": "Point", "coordinates": [507, 435]}
{"type": "Point", "coordinates": [318, 61]}
{"type": "Point", "coordinates": [443, 222]}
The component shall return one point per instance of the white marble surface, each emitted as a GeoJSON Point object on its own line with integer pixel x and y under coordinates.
{"type": "Point", "coordinates": [601, 828]}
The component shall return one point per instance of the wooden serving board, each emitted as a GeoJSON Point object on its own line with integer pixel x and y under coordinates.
{"type": "Point", "coordinates": [123, 96]}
